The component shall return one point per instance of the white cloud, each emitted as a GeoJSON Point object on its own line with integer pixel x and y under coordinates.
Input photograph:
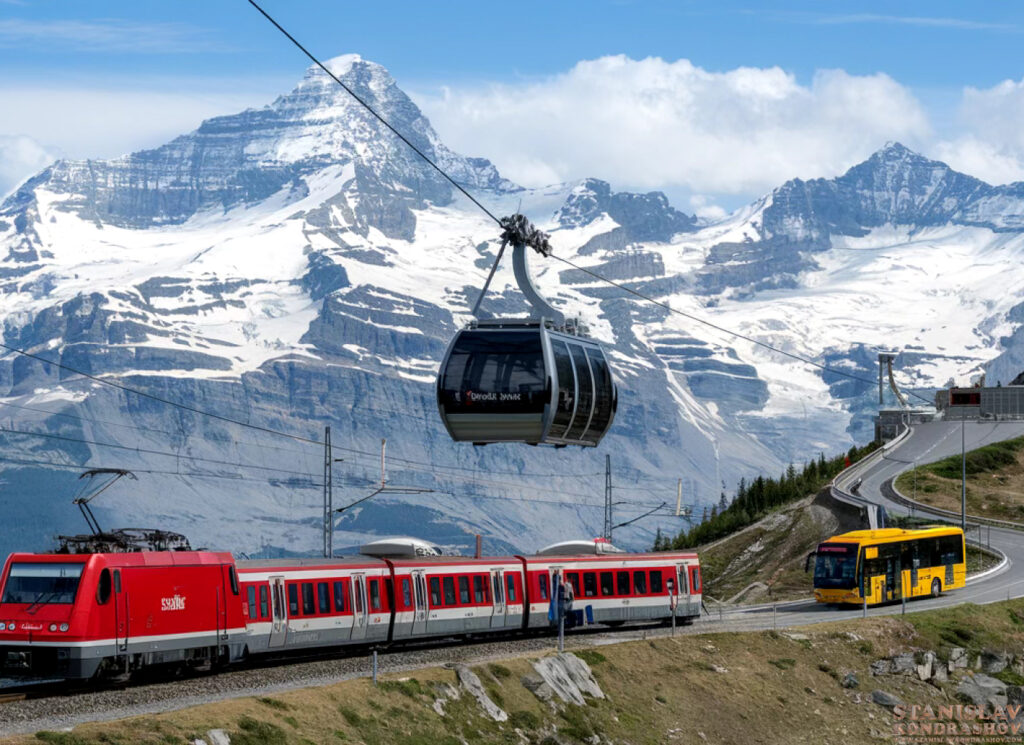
{"type": "Point", "coordinates": [86, 122]}
{"type": "Point", "coordinates": [656, 124]}
{"type": "Point", "coordinates": [991, 145]}
{"type": "Point", "coordinates": [108, 36]}
{"type": "Point", "coordinates": [20, 157]}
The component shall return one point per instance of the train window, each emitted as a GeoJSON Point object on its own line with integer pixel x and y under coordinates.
{"type": "Point", "coordinates": [406, 593]}
{"type": "Point", "coordinates": [264, 609]}
{"type": "Point", "coordinates": [435, 592]}
{"type": "Point", "coordinates": [543, 586]}
{"type": "Point", "coordinates": [449, 590]}
{"type": "Point", "coordinates": [695, 575]}
{"type": "Point", "coordinates": [684, 587]}
{"type": "Point", "coordinates": [574, 580]}
{"type": "Point", "coordinates": [607, 583]}
{"type": "Point", "coordinates": [252, 601]}
{"type": "Point", "coordinates": [511, 581]}
{"type": "Point", "coordinates": [339, 597]}
{"type": "Point", "coordinates": [323, 596]}
{"type": "Point", "coordinates": [308, 601]}
{"type": "Point", "coordinates": [389, 593]}
{"type": "Point", "coordinates": [293, 599]}
{"type": "Point", "coordinates": [622, 579]}
{"type": "Point", "coordinates": [464, 590]}
{"type": "Point", "coordinates": [359, 592]}
{"type": "Point", "coordinates": [103, 587]}
{"type": "Point", "coordinates": [589, 584]}
{"type": "Point", "coordinates": [276, 598]}
{"type": "Point", "coordinates": [478, 589]}
{"type": "Point", "coordinates": [117, 580]}
{"type": "Point", "coordinates": [374, 595]}
{"type": "Point", "coordinates": [656, 580]}
{"type": "Point", "coordinates": [233, 578]}
{"type": "Point", "coordinates": [499, 596]}
{"type": "Point", "coordinates": [640, 582]}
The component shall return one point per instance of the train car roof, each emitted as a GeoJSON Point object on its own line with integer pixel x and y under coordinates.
{"type": "Point", "coordinates": [655, 556]}
{"type": "Point", "coordinates": [135, 558]}
{"type": "Point", "coordinates": [338, 562]}
{"type": "Point", "coordinates": [455, 560]}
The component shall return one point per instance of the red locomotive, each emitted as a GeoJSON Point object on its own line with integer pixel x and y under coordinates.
{"type": "Point", "coordinates": [90, 615]}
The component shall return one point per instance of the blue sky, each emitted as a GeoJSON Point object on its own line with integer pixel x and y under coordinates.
{"type": "Point", "coordinates": [99, 78]}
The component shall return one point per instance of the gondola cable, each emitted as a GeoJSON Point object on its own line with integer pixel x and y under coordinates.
{"type": "Point", "coordinates": [596, 275]}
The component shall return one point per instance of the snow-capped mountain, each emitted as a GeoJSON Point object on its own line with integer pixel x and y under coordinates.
{"type": "Point", "coordinates": [297, 266]}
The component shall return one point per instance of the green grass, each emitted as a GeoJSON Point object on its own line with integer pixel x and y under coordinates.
{"type": "Point", "coordinates": [409, 687]}
{"type": "Point", "coordinates": [591, 657]}
{"type": "Point", "coordinates": [983, 460]}
{"type": "Point", "coordinates": [499, 671]}
{"type": "Point", "coordinates": [274, 703]}
{"type": "Point", "coordinates": [525, 720]}
{"type": "Point", "coordinates": [254, 732]}
{"type": "Point", "coordinates": [783, 663]}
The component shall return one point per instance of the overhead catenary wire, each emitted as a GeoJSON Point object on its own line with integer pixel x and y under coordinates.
{"type": "Point", "coordinates": [636, 293]}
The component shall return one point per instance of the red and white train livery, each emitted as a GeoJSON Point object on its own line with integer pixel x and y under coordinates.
{"type": "Point", "coordinates": [87, 615]}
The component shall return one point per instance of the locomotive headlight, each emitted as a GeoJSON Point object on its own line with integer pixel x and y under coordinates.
{"type": "Point", "coordinates": [64, 627]}
{"type": "Point", "coordinates": [3, 626]}
{"type": "Point", "coordinates": [53, 627]}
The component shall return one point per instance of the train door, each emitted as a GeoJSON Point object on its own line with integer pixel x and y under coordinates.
{"type": "Point", "coordinates": [498, 613]}
{"type": "Point", "coordinates": [683, 591]}
{"type": "Point", "coordinates": [121, 624]}
{"type": "Point", "coordinates": [279, 628]}
{"type": "Point", "coordinates": [419, 587]}
{"type": "Point", "coordinates": [359, 608]}
{"type": "Point", "coordinates": [695, 589]}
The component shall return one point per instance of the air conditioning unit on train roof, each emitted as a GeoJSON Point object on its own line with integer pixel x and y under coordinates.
{"type": "Point", "coordinates": [578, 547]}
{"type": "Point", "coordinates": [399, 548]}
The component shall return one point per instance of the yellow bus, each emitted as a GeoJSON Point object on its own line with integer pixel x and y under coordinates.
{"type": "Point", "coordinates": [887, 564]}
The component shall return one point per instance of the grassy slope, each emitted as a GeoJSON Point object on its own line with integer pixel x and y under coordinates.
{"type": "Point", "coordinates": [772, 552]}
{"type": "Point", "coordinates": [995, 482]}
{"type": "Point", "coordinates": [775, 690]}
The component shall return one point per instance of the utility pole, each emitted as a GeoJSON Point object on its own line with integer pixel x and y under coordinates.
{"type": "Point", "coordinates": [963, 476]}
{"type": "Point", "coordinates": [679, 497]}
{"type": "Point", "coordinates": [328, 495]}
{"type": "Point", "coordinates": [608, 497]}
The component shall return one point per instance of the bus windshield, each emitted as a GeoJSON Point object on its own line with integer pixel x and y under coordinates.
{"type": "Point", "coordinates": [42, 583]}
{"type": "Point", "coordinates": [836, 565]}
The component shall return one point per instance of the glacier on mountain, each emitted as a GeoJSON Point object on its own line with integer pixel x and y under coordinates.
{"type": "Point", "coordinates": [296, 266]}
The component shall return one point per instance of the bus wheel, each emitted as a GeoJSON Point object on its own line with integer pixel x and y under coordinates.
{"type": "Point", "coordinates": [936, 587]}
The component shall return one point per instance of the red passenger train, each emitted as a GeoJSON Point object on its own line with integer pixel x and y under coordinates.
{"type": "Point", "coordinates": [81, 616]}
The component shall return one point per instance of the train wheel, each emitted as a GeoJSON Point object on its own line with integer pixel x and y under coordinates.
{"type": "Point", "coordinates": [936, 587]}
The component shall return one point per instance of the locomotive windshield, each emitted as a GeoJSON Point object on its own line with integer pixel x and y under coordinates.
{"type": "Point", "coordinates": [500, 371]}
{"type": "Point", "coordinates": [42, 583]}
{"type": "Point", "coordinates": [836, 565]}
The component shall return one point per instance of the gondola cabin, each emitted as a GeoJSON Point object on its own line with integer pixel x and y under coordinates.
{"type": "Point", "coordinates": [505, 381]}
